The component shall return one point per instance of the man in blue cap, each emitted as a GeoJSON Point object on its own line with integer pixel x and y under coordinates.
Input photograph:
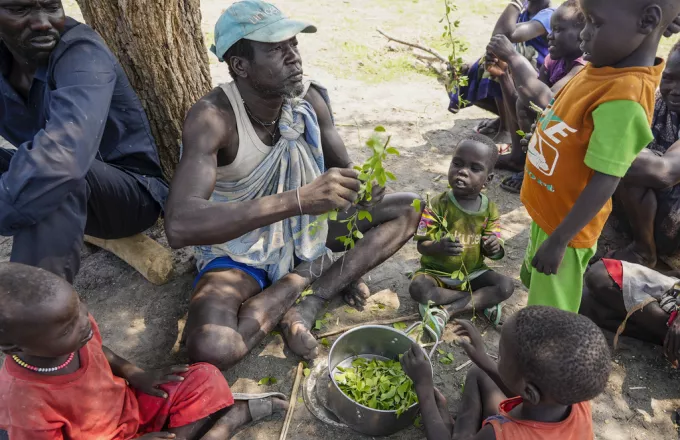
{"type": "Point", "coordinates": [262, 158]}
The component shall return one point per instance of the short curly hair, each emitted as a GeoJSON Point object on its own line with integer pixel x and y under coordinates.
{"type": "Point", "coordinates": [484, 140]}
{"type": "Point", "coordinates": [565, 355]}
{"type": "Point", "coordinates": [576, 7]}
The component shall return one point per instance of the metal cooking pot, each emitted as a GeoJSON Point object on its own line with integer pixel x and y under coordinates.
{"type": "Point", "coordinates": [370, 341]}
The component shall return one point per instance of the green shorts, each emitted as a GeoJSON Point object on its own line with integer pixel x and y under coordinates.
{"type": "Point", "coordinates": [563, 290]}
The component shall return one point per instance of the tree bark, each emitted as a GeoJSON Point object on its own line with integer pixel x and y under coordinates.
{"type": "Point", "coordinates": [160, 45]}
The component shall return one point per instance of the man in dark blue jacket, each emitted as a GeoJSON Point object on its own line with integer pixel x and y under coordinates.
{"type": "Point", "coordinates": [85, 160]}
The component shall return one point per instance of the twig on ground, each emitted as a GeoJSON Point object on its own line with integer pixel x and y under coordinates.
{"type": "Point", "coordinates": [414, 45]}
{"type": "Point", "coordinates": [291, 403]}
{"type": "Point", "coordinates": [413, 317]}
{"type": "Point", "coordinates": [466, 364]}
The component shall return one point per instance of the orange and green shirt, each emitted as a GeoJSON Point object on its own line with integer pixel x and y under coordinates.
{"type": "Point", "coordinates": [599, 121]}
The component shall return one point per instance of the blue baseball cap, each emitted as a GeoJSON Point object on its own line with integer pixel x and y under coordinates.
{"type": "Point", "coordinates": [257, 21]}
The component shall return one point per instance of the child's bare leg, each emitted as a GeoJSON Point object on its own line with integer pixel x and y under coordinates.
{"type": "Point", "coordinates": [488, 289]}
{"type": "Point", "coordinates": [425, 289]}
{"type": "Point", "coordinates": [481, 398]}
{"type": "Point", "coordinates": [640, 206]}
{"type": "Point", "coordinates": [223, 424]}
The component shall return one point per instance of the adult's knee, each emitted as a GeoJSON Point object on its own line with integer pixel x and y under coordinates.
{"type": "Point", "coordinates": [210, 343]}
{"type": "Point", "coordinates": [408, 212]}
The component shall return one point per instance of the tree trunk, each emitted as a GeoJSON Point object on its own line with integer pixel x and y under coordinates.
{"type": "Point", "coordinates": [160, 46]}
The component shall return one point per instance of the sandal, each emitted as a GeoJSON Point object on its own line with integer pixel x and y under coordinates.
{"type": "Point", "coordinates": [434, 319]}
{"type": "Point", "coordinates": [504, 149]}
{"type": "Point", "coordinates": [493, 314]}
{"type": "Point", "coordinates": [259, 405]}
{"type": "Point", "coordinates": [509, 184]}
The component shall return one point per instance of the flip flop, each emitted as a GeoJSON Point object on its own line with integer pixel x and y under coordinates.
{"type": "Point", "coordinates": [493, 314]}
{"type": "Point", "coordinates": [259, 405]}
{"type": "Point", "coordinates": [516, 177]}
{"type": "Point", "coordinates": [434, 318]}
{"type": "Point", "coordinates": [504, 149]}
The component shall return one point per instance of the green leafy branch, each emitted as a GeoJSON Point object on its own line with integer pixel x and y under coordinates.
{"type": "Point", "coordinates": [372, 172]}
{"type": "Point", "coordinates": [457, 47]}
{"type": "Point", "coordinates": [440, 231]}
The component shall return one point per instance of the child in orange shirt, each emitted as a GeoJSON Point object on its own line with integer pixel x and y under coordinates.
{"type": "Point", "coordinates": [553, 361]}
{"type": "Point", "coordinates": [585, 142]}
{"type": "Point", "coordinates": [59, 382]}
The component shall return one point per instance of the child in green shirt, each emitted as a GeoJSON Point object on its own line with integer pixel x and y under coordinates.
{"type": "Point", "coordinates": [457, 230]}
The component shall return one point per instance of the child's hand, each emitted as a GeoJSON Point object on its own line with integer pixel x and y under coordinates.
{"type": "Point", "coordinates": [148, 381]}
{"type": "Point", "coordinates": [501, 47]}
{"type": "Point", "coordinates": [157, 436]}
{"type": "Point", "coordinates": [475, 348]}
{"type": "Point", "coordinates": [491, 245]}
{"type": "Point", "coordinates": [449, 247]}
{"type": "Point", "coordinates": [417, 367]}
{"type": "Point", "coordinates": [549, 256]}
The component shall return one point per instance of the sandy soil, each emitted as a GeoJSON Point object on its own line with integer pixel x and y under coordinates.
{"type": "Point", "coordinates": [370, 85]}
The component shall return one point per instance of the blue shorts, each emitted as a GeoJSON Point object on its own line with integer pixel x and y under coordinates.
{"type": "Point", "coordinates": [222, 263]}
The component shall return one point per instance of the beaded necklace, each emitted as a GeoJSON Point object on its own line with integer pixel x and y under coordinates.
{"type": "Point", "coordinates": [43, 370]}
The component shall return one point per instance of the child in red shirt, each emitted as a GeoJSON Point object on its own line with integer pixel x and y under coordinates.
{"type": "Point", "coordinates": [59, 382]}
{"type": "Point", "coordinates": [551, 364]}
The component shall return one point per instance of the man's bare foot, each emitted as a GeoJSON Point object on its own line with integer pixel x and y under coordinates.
{"type": "Point", "coordinates": [506, 163]}
{"type": "Point", "coordinates": [357, 293]}
{"type": "Point", "coordinates": [239, 415]}
{"type": "Point", "coordinates": [443, 408]}
{"type": "Point", "coordinates": [633, 254]}
{"type": "Point", "coordinates": [296, 325]}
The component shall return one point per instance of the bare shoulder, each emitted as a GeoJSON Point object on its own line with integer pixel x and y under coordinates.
{"type": "Point", "coordinates": [318, 104]}
{"type": "Point", "coordinates": [210, 123]}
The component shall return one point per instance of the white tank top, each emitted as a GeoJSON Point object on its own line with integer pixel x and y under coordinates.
{"type": "Point", "coordinates": [251, 150]}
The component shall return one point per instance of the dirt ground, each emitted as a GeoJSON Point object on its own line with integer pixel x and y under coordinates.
{"type": "Point", "coordinates": [370, 84]}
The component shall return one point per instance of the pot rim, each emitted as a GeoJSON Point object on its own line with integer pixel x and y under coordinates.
{"type": "Point", "coordinates": [363, 327]}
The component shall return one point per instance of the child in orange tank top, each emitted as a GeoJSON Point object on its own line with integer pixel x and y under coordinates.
{"type": "Point", "coordinates": [585, 142]}
{"type": "Point", "coordinates": [551, 364]}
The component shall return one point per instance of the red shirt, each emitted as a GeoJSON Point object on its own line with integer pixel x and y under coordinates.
{"type": "Point", "coordinates": [90, 403]}
{"type": "Point", "coordinates": [577, 426]}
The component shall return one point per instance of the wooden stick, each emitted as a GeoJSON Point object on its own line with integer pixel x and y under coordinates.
{"type": "Point", "coordinates": [413, 317]}
{"type": "Point", "coordinates": [291, 404]}
{"type": "Point", "coordinates": [149, 258]}
{"type": "Point", "coordinates": [466, 364]}
{"type": "Point", "coordinates": [417, 46]}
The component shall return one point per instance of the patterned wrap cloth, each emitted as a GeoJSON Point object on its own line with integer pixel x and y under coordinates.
{"type": "Point", "coordinates": [296, 160]}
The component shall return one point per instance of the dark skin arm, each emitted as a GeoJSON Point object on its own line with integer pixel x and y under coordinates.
{"type": "Point", "coordinates": [193, 220]}
{"type": "Point", "coordinates": [517, 32]}
{"type": "Point", "coordinates": [599, 190]}
{"type": "Point", "coordinates": [466, 331]}
{"type": "Point", "coordinates": [146, 382]}
{"type": "Point", "coordinates": [334, 150]}
{"type": "Point", "coordinates": [418, 368]}
{"type": "Point", "coordinates": [523, 73]}
{"type": "Point", "coordinates": [658, 172]}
